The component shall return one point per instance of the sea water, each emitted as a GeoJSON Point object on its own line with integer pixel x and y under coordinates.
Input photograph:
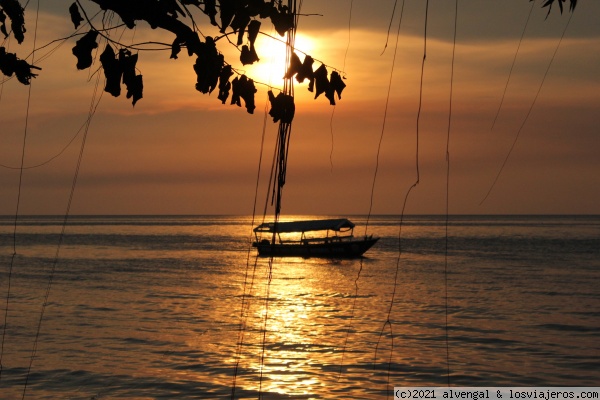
{"type": "Point", "coordinates": [180, 307]}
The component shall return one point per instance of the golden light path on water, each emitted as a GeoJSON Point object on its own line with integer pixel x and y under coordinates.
{"type": "Point", "coordinates": [302, 347]}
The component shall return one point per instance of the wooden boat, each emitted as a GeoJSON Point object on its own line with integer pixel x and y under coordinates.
{"type": "Point", "coordinates": [306, 239]}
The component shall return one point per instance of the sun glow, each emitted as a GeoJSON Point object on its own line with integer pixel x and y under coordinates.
{"type": "Point", "coordinates": [271, 51]}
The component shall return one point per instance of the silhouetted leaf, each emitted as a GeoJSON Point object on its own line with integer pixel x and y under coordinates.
{"type": "Point", "coordinates": [112, 71]}
{"type": "Point", "coordinates": [14, 11]}
{"type": "Point", "coordinates": [549, 3]}
{"type": "Point", "coordinates": [75, 15]}
{"type": "Point", "coordinates": [83, 49]}
{"type": "Point", "coordinates": [3, 26]}
{"type": "Point", "coordinates": [10, 64]}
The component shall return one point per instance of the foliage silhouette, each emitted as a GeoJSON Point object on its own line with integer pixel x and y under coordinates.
{"type": "Point", "coordinates": [240, 17]}
{"type": "Point", "coordinates": [549, 3]}
{"type": "Point", "coordinates": [231, 17]}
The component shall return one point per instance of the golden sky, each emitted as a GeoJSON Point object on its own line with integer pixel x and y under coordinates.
{"type": "Point", "coordinates": [181, 152]}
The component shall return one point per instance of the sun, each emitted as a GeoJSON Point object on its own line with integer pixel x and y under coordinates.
{"type": "Point", "coordinates": [271, 51]}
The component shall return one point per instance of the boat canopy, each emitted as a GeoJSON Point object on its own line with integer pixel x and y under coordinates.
{"type": "Point", "coordinates": [306, 226]}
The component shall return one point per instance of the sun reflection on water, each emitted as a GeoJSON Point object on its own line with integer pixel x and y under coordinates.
{"type": "Point", "coordinates": [291, 349]}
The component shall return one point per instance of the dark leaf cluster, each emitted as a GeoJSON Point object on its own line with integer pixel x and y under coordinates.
{"type": "Point", "coordinates": [282, 107]}
{"type": "Point", "coordinates": [317, 79]}
{"type": "Point", "coordinates": [239, 17]}
{"type": "Point", "coordinates": [10, 64]}
{"type": "Point", "coordinates": [119, 69]}
{"type": "Point", "coordinates": [243, 88]}
{"type": "Point", "coordinates": [13, 10]}
{"type": "Point", "coordinates": [212, 71]}
{"type": "Point", "coordinates": [549, 3]}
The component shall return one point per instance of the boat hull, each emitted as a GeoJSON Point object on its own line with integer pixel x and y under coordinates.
{"type": "Point", "coordinates": [342, 249]}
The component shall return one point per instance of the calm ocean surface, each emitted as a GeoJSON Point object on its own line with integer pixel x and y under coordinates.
{"type": "Point", "coordinates": [150, 308]}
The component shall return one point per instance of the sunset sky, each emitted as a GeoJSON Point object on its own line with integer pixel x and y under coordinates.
{"type": "Point", "coordinates": [181, 152]}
